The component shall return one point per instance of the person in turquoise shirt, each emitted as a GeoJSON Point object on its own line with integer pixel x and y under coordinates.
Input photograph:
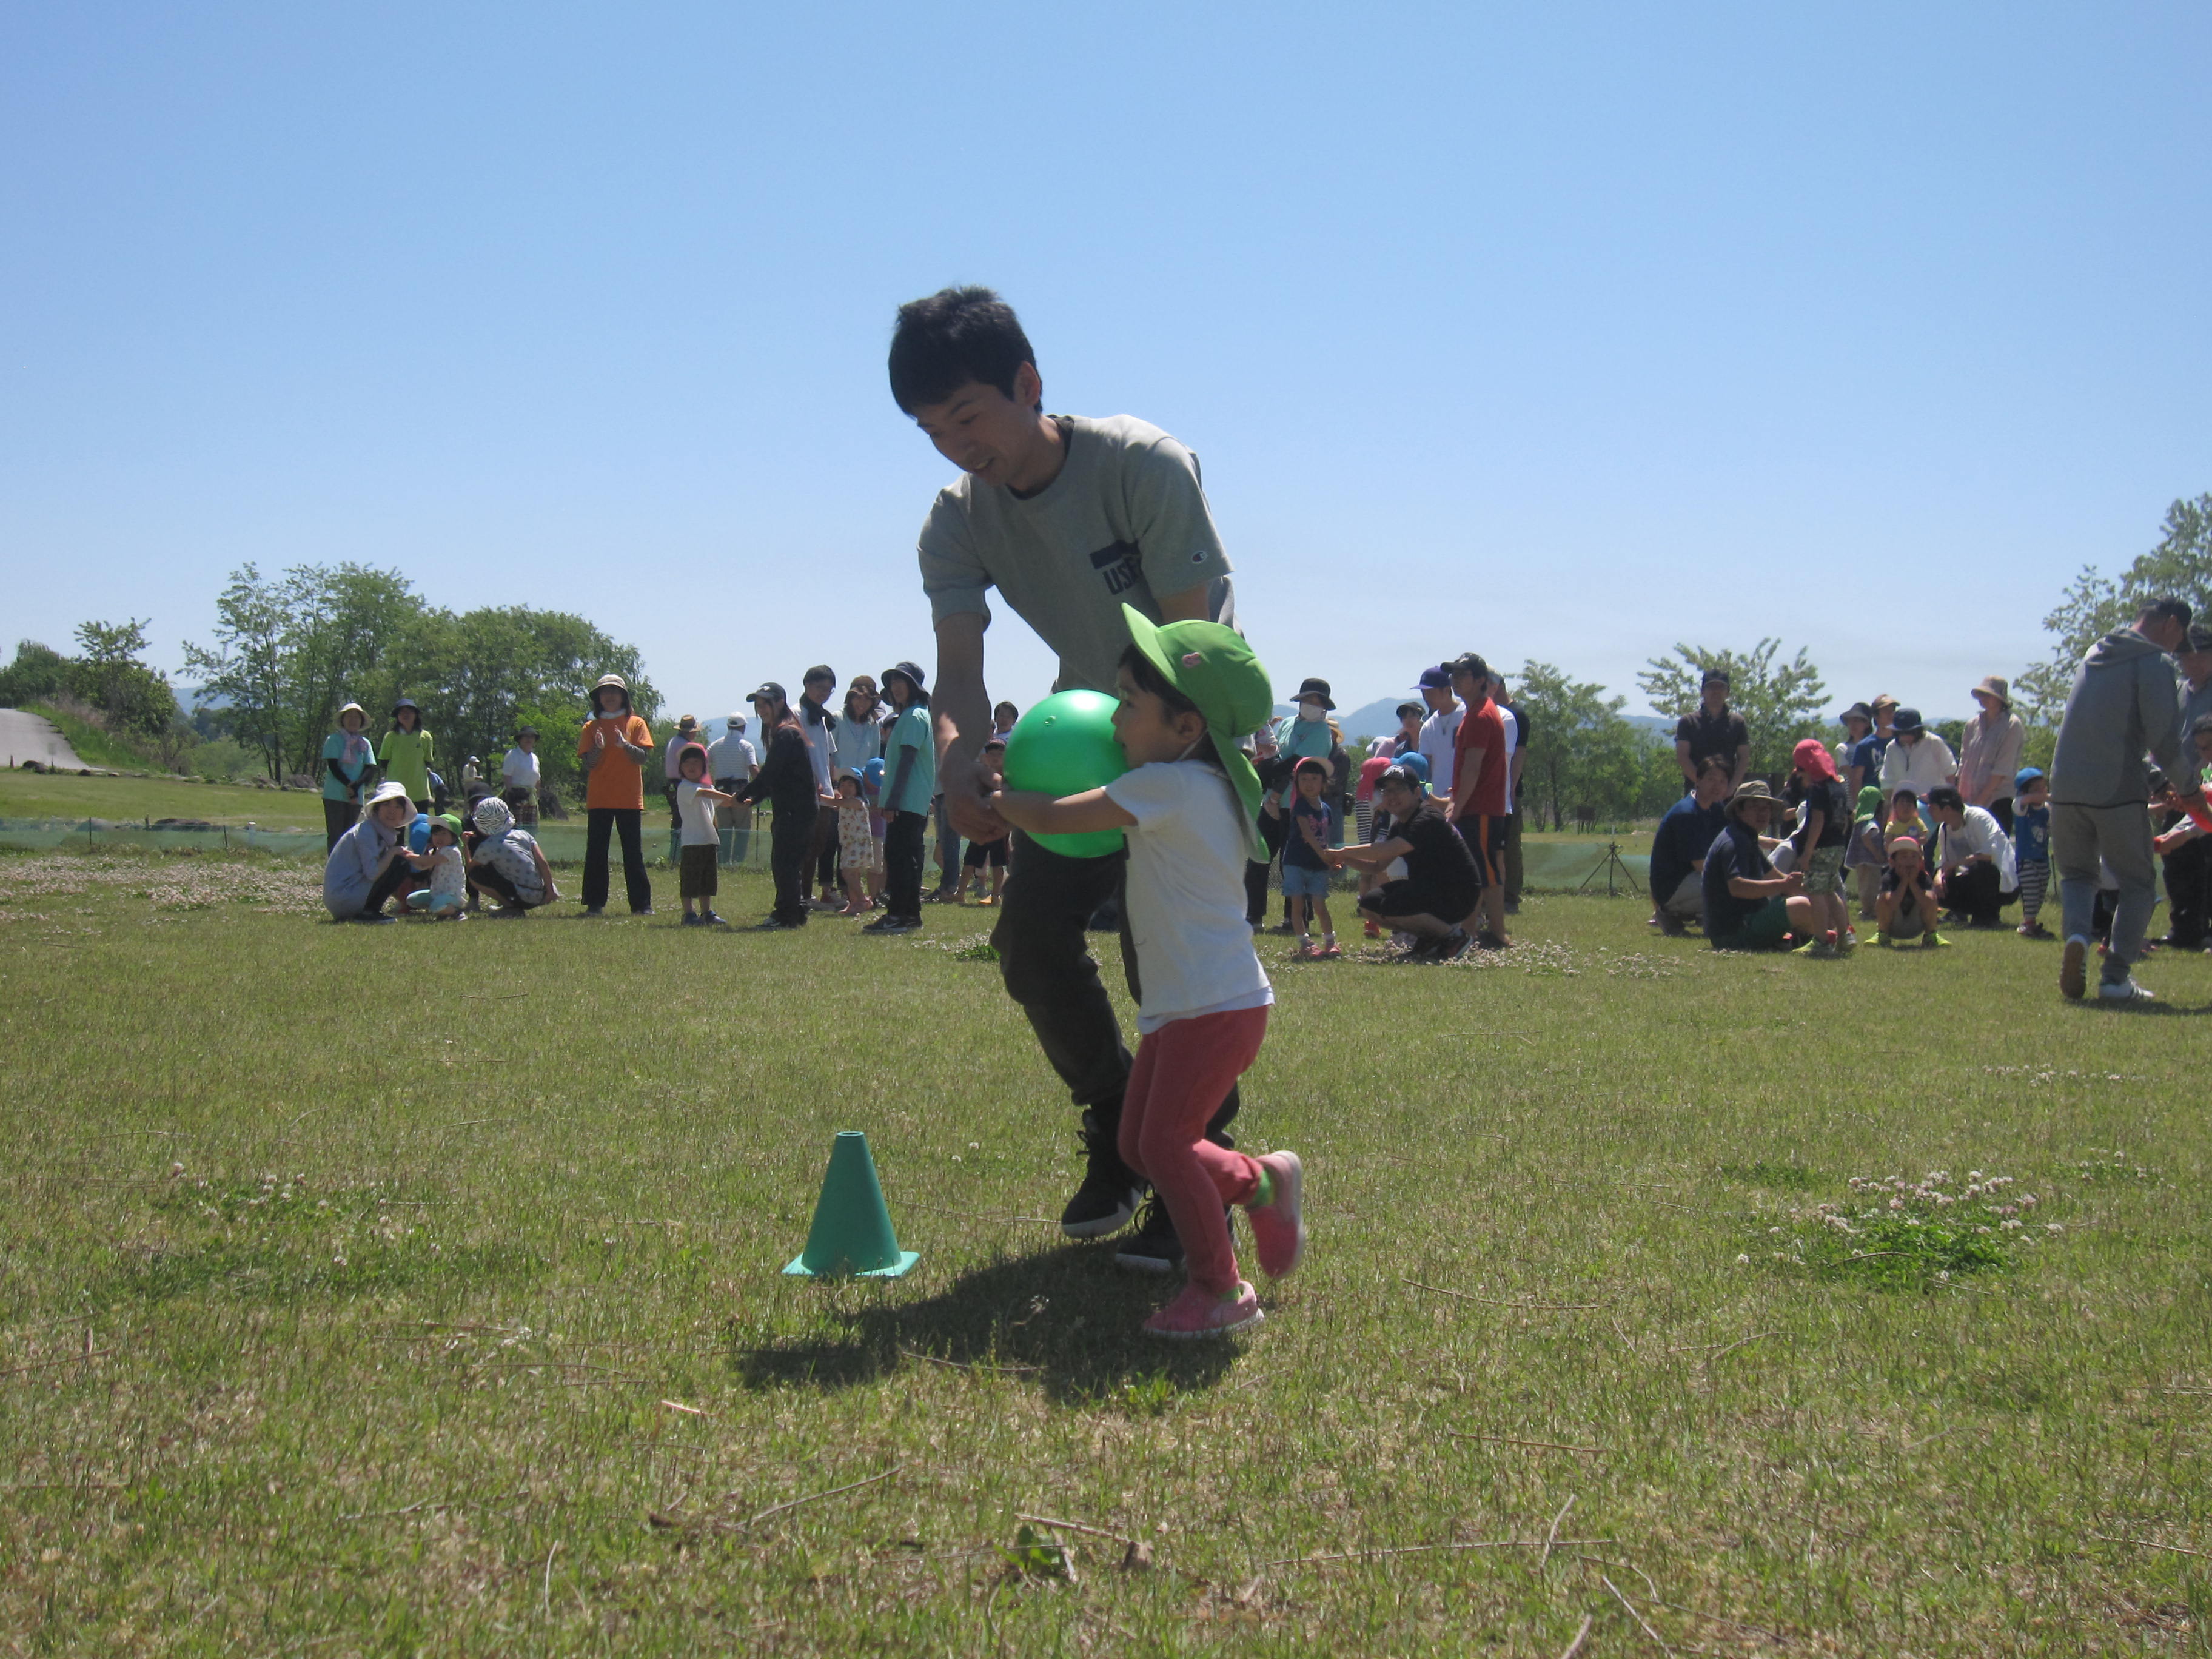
{"type": "Point", "coordinates": [348, 759]}
{"type": "Point", "coordinates": [408, 753]}
{"type": "Point", "coordinates": [910, 784]}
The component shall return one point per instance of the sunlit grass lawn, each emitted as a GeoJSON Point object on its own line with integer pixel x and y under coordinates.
{"type": "Point", "coordinates": [132, 800]}
{"type": "Point", "coordinates": [462, 1326]}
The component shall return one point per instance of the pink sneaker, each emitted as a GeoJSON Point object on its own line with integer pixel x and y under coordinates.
{"type": "Point", "coordinates": [1197, 1313]}
{"type": "Point", "coordinates": [1279, 1229]}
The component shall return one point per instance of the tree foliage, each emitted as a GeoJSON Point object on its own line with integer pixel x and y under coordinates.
{"type": "Point", "coordinates": [2178, 566]}
{"type": "Point", "coordinates": [291, 651]}
{"type": "Point", "coordinates": [1780, 701]}
{"type": "Point", "coordinates": [1582, 752]}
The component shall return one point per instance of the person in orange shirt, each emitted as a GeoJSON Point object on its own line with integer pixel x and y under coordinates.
{"type": "Point", "coordinates": [613, 746]}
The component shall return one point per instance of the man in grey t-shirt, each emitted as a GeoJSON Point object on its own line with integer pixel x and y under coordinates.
{"type": "Point", "coordinates": [1069, 518]}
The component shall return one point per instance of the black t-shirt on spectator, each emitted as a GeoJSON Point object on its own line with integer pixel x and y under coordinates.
{"type": "Point", "coordinates": [1721, 734]}
{"type": "Point", "coordinates": [1826, 799]}
{"type": "Point", "coordinates": [1437, 858]}
{"type": "Point", "coordinates": [1735, 852]}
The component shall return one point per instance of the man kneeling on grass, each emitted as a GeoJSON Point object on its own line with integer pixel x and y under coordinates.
{"type": "Point", "coordinates": [1747, 906]}
{"type": "Point", "coordinates": [1440, 884]}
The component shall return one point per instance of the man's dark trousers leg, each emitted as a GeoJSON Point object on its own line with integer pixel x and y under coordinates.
{"type": "Point", "coordinates": [1047, 967]}
{"type": "Point", "coordinates": [2188, 887]}
{"type": "Point", "coordinates": [1973, 892]}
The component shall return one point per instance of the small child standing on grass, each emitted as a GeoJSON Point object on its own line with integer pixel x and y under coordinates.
{"type": "Point", "coordinates": [987, 855]}
{"type": "Point", "coordinates": [858, 849]}
{"type": "Point", "coordinates": [1305, 870]}
{"type": "Point", "coordinates": [700, 846]}
{"type": "Point", "coordinates": [2031, 846]}
{"type": "Point", "coordinates": [1867, 853]}
{"type": "Point", "coordinates": [447, 896]}
{"type": "Point", "coordinates": [1823, 827]}
{"type": "Point", "coordinates": [1190, 804]}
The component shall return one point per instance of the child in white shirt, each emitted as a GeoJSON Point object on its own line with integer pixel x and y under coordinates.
{"type": "Point", "coordinates": [1190, 806]}
{"type": "Point", "coordinates": [444, 899]}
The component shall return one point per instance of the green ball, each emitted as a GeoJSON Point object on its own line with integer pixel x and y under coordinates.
{"type": "Point", "coordinates": [1064, 746]}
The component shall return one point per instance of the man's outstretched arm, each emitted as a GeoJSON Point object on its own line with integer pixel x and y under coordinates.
{"type": "Point", "coordinates": [963, 711]}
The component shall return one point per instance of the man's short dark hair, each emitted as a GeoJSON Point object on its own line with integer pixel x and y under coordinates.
{"type": "Point", "coordinates": [1719, 763]}
{"type": "Point", "coordinates": [2173, 610]}
{"type": "Point", "coordinates": [515, 795]}
{"type": "Point", "coordinates": [821, 671]}
{"type": "Point", "coordinates": [1944, 798]}
{"type": "Point", "coordinates": [1472, 666]}
{"type": "Point", "coordinates": [1897, 795]}
{"type": "Point", "coordinates": [955, 336]}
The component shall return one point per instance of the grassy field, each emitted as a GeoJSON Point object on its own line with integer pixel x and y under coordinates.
{"type": "Point", "coordinates": [418, 1289]}
{"type": "Point", "coordinates": [64, 795]}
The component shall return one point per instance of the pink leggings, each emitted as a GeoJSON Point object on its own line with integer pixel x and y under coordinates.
{"type": "Point", "coordinates": [1182, 1073]}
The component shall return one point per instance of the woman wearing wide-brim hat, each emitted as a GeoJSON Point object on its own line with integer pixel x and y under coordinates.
{"type": "Point", "coordinates": [1990, 753]}
{"type": "Point", "coordinates": [348, 759]}
{"type": "Point", "coordinates": [614, 746]}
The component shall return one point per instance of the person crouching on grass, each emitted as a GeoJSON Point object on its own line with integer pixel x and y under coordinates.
{"type": "Point", "coordinates": [507, 863]}
{"type": "Point", "coordinates": [1906, 907]}
{"type": "Point", "coordinates": [366, 868]}
{"type": "Point", "coordinates": [1190, 804]}
{"type": "Point", "coordinates": [1440, 885]}
{"type": "Point", "coordinates": [1748, 907]}
{"type": "Point", "coordinates": [702, 846]}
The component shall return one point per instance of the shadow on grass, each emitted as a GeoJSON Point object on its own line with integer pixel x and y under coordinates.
{"type": "Point", "coordinates": [1066, 1318]}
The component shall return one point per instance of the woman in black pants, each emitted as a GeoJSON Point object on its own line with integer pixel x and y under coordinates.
{"type": "Point", "coordinates": [786, 781]}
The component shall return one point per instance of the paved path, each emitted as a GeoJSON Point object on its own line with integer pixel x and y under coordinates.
{"type": "Point", "coordinates": [32, 737]}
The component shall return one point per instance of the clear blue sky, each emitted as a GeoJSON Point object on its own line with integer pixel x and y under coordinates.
{"type": "Point", "coordinates": [1561, 332]}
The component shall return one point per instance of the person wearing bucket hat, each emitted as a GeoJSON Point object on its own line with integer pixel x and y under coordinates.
{"type": "Point", "coordinates": [686, 733]}
{"type": "Point", "coordinates": [1858, 757]}
{"type": "Point", "coordinates": [507, 862]}
{"type": "Point", "coordinates": [408, 753]}
{"type": "Point", "coordinates": [368, 866]}
{"type": "Point", "coordinates": [1988, 752]}
{"type": "Point", "coordinates": [1068, 517]}
{"type": "Point", "coordinates": [1748, 907]}
{"type": "Point", "coordinates": [1916, 759]}
{"type": "Point", "coordinates": [1190, 804]}
{"type": "Point", "coordinates": [1712, 728]}
{"type": "Point", "coordinates": [1310, 732]}
{"type": "Point", "coordinates": [613, 748]}
{"type": "Point", "coordinates": [348, 759]}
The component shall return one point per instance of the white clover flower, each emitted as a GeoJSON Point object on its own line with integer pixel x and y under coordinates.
{"type": "Point", "coordinates": [1896, 1203]}
{"type": "Point", "coordinates": [2011, 1226]}
{"type": "Point", "coordinates": [2052, 1227]}
{"type": "Point", "coordinates": [1743, 1261]}
{"type": "Point", "coordinates": [1981, 1229]}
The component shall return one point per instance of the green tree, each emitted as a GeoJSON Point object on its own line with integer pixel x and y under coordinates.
{"type": "Point", "coordinates": [2178, 566]}
{"type": "Point", "coordinates": [1780, 702]}
{"type": "Point", "coordinates": [1581, 751]}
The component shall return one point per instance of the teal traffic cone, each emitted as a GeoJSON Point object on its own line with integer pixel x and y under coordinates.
{"type": "Point", "coordinates": [852, 1231]}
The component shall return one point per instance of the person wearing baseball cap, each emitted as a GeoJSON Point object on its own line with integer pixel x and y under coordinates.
{"type": "Point", "coordinates": [1748, 907]}
{"type": "Point", "coordinates": [1440, 886]}
{"type": "Point", "coordinates": [1712, 728]}
{"type": "Point", "coordinates": [1988, 753]}
{"type": "Point", "coordinates": [1440, 730]}
{"type": "Point", "coordinates": [786, 780]}
{"type": "Point", "coordinates": [909, 784]}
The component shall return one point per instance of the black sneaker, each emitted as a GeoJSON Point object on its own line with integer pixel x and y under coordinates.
{"type": "Point", "coordinates": [1452, 945]}
{"type": "Point", "coordinates": [1108, 1197]}
{"type": "Point", "coordinates": [1153, 1247]}
{"type": "Point", "coordinates": [777, 925]}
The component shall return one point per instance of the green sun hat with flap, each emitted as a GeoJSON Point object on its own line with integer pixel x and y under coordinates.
{"type": "Point", "coordinates": [1214, 667]}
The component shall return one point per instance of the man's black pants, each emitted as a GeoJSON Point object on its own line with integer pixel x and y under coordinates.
{"type": "Point", "coordinates": [790, 837]}
{"type": "Point", "coordinates": [2188, 889]}
{"type": "Point", "coordinates": [601, 823]}
{"type": "Point", "coordinates": [1972, 891]}
{"type": "Point", "coordinates": [903, 850]}
{"type": "Point", "coordinates": [1049, 969]}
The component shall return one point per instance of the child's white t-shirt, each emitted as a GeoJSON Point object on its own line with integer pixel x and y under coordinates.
{"type": "Point", "coordinates": [1185, 893]}
{"type": "Point", "coordinates": [696, 816]}
{"type": "Point", "coordinates": [448, 878]}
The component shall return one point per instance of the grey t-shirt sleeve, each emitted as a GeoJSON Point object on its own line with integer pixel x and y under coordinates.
{"type": "Point", "coordinates": [952, 574]}
{"type": "Point", "coordinates": [1169, 518]}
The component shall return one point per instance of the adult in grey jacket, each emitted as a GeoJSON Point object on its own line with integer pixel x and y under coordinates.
{"type": "Point", "coordinates": [2124, 704]}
